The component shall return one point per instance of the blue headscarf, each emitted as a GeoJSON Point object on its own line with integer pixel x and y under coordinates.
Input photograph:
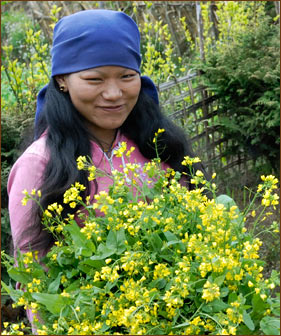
{"type": "Point", "coordinates": [95, 38]}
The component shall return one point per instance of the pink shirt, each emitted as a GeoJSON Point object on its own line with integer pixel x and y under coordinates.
{"type": "Point", "coordinates": [28, 170]}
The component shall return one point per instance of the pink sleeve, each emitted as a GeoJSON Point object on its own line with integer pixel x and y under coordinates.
{"type": "Point", "coordinates": [26, 174]}
{"type": "Point", "coordinates": [165, 165]}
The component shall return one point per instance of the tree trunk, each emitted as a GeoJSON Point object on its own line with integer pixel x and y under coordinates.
{"type": "Point", "coordinates": [200, 30]}
{"type": "Point", "coordinates": [214, 20]}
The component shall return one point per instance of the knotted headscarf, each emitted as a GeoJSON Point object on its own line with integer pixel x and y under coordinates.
{"type": "Point", "coordinates": [94, 38]}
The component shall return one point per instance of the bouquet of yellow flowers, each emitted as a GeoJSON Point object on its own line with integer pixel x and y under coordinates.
{"type": "Point", "coordinates": [159, 260]}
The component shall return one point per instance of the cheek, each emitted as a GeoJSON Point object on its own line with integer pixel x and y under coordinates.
{"type": "Point", "coordinates": [135, 91]}
{"type": "Point", "coordinates": [82, 95]}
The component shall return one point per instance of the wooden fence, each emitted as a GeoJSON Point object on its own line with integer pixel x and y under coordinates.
{"type": "Point", "coordinates": [195, 108]}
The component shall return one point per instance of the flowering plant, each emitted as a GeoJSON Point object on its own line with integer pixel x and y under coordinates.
{"type": "Point", "coordinates": [160, 259]}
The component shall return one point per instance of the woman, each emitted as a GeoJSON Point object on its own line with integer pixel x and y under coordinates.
{"type": "Point", "coordinates": [95, 100]}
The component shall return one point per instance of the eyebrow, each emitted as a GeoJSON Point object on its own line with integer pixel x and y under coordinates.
{"type": "Point", "coordinates": [105, 72]}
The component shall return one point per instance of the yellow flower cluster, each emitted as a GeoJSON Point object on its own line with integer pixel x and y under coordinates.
{"type": "Point", "coordinates": [270, 183]}
{"type": "Point", "coordinates": [211, 291]}
{"type": "Point", "coordinates": [82, 163]}
{"type": "Point", "coordinates": [72, 195]}
{"type": "Point", "coordinates": [160, 259]}
{"type": "Point", "coordinates": [160, 130]}
{"type": "Point", "coordinates": [120, 151]}
{"type": "Point", "coordinates": [188, 161]}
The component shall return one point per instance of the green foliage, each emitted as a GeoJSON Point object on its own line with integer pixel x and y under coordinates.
{"type": "Point", "coordinates": [5, 241]}
{"type": "Point", "coordinates": [246, 77]}
{"type": "Point", "coordinates": [13, 25]}
{"type": "Point", "coordinates": [24, 71]}
{"type": "Point", "coordinates": [160, 260]}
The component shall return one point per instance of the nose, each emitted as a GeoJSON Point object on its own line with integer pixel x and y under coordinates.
{"type": "Point", "coordinates": [111, 91]}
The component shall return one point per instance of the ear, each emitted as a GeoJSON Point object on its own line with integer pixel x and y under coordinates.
{"type": "Point", "coordinates": [61, 80]}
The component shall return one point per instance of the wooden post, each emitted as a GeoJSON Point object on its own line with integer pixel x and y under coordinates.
{"type": "Point", "coordinates": [200, 30]}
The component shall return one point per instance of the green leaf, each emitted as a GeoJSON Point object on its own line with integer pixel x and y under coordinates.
{"type": "Point", "coordinates": [170, 236]}
{"type": "Point", "coordinates": [54, 286]}
{"type": "Point", "coordinates": [93, 263]}
{"type": "Point", "coordinates": [53, 302]}
{"type": "Point", "coordinates": [218, 305]}
{"type": "Point", "coordinates": [270, 325]}
{"type": "Point", "coordinates": [232, 297]}
{"type": "Point", "coordinates": [248, 321]}
{"type": "Point", "coordinates": [116, 241]}
{"type": "Point", "coordinates": [258, 305]}
{"type": "Point", "coordinates": [73, 286]}
{"type": "Point", "coordinates": [84, 246]}
{"type": "Point", "coordinates": [70, 274]}
{"type": "Point", "coordinates": [242, 329]}
{"type": "Point", "coordinates": [219, 280]}
{"type": "Point", "coordinates": [224, 291]}
{"type": "Point", "coordinates": [158, 283]}
{"type": "Point", "coordinates": [65, 257]}
{"type": "Point", "coordinates": [225, 200]}
{"type": "Point", "coordinates": [103, 252]}
{"type": "Point", "coordinates": [15, 294]}
{"type": "Point", "coordinates": [215, 306]}
{"type": "Point", "coordinates": [20, 276]}
{"type": "Point", "coordinates": [156, 241]}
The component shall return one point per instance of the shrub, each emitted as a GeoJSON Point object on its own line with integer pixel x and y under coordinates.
{"type": "Point", "coordinates": [159, 260]}
{"type": "Point", "coordinates": [246, 77]}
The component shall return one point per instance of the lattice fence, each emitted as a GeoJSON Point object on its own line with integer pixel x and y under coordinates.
{"type": "Point", "coordinates": [195, 108]}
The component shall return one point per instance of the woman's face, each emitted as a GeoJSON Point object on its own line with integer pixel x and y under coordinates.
{"type": "Point", "coordinates": [104, 96]}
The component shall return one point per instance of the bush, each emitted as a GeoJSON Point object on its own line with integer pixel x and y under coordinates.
{"type": "Point", "coordinates": [160, 260]}
{"type": "Point", "coordinates": [246, 77]}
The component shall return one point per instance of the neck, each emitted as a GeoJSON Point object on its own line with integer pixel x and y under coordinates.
{"type": "Point", "coordinates": [105, 139]}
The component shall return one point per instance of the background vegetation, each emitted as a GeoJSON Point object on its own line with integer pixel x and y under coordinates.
{"type": "Point", "coordinates": [233, 45]}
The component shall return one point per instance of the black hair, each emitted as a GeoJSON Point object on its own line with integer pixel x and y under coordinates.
{"type": "Point", "coordinates": [68, 138]}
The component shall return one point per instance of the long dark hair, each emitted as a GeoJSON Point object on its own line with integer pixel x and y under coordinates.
{"type": "Point", "coordinates": [68, 138]}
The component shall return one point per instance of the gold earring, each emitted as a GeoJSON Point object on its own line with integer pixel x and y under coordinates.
{"type": "Point", "coordinates": [62, 88]}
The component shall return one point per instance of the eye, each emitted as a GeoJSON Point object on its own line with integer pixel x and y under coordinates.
{"type": "Point", "coordinates": [94, 79]}
{"type": "Point", "coordinates": [128, 76]}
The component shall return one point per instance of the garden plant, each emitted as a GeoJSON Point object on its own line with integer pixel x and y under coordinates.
{"type": "Point", "coordinates": [159, 259]}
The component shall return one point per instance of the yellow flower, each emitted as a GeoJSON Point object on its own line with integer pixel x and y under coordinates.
{"type": "Point", "coordinates": [160, 130]}
{"type": "Point", "coordinates": [263, 296]}
{"type": "Point", "coordinates": [48, 214]}
{"type": "Point", "coordinates": [81, 160]}
{"type": "Point", "coordinates": [92, 169]}
{"type": "Point", "coordinates": [120, 151]}
{"type": "Point", "coordinates": [130, 151]}
{"type": "Point", "coordinates": [25, 192]}
{"type": "Point", "coordinates": [257, 290]}
{"type": "Point", "coordinates": [188, 161]}
{"type": "Point", "coordinates": [211, 291]}
{"type": "Point", "coordinates": [161, 271]}
{"type": "Point", "coordinates": [24, 201]}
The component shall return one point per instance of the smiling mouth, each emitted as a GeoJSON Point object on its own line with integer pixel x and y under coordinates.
{"type": "Point", "coordinates": [112, 108]}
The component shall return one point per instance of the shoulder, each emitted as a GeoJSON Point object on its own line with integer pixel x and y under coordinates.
{"type": "Point", "coordinates": [37, 148]}
{"type": "Point", "coordinates": [31, 163]}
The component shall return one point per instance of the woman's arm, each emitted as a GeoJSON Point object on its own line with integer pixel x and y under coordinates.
{"type": "Point", "coordinates": [26, 174]}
